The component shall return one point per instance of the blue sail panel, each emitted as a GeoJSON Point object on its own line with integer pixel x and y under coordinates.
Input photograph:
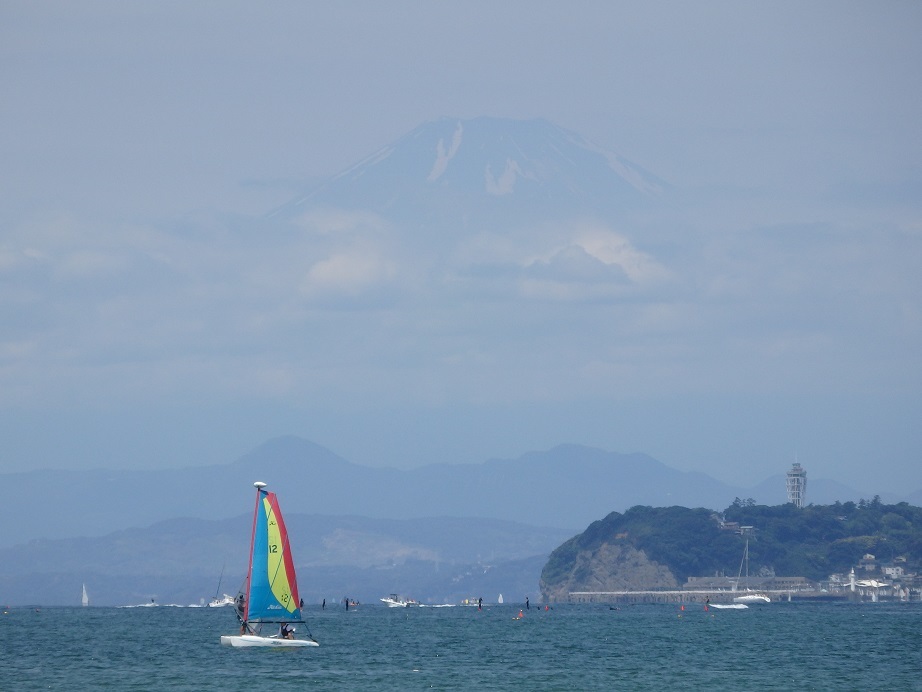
{"type": "Point", "coordinates": [273, 588]}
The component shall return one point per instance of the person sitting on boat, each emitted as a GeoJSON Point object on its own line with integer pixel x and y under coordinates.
{"type": "Point", "coordinates": [286, 631]}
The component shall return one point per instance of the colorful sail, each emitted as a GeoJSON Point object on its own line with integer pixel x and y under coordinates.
{"type": "Point", "coordinates": [272, 589]}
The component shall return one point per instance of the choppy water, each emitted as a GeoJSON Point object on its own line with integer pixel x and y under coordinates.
{"type": "Point", "coordinates": [789, 646]}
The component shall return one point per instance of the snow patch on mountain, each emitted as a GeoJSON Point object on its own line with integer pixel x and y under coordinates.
{"type": "Point", "coordinates": [443, 157]}
{"type": "Point", "coordinates": [505, 184]}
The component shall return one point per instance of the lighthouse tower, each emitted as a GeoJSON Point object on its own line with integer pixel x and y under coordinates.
{"type": "Point", "coordinates": [797, 485]}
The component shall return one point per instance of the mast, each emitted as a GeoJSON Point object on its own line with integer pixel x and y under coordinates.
{"type": "Point", "coordinates": [744, 562]}
{"type": "Point", "coordinates": [259, 485]}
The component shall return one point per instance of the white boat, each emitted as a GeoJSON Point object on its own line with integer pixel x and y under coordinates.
{"type": "Point", "coordinates": [225, 600]}
{"type": "Point", "coordinates": [85, 600]}
{"type": "Point", "coordinates": [750, 596]}
{"type": "Point", "coordinates": [221, 601]}
{"type": "Point", "coordinates": [728, 606]}
{"type": "Point", "coordinates": [268, 605]}
{"type": "Point", "coordinates": [395, 601]}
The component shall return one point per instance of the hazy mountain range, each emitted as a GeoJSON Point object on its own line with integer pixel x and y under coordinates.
{"type": "Point", "coordinates": [441, 532]}
{"type": "Point", "coordinates": [185, 561]}
{"type": "Point", "coordinates": [566, 487]}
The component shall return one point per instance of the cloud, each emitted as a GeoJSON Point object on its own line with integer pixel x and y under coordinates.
{"type": "Point", "coordinates": [562, 262]}
{"type": "Point", "coordinates": [348, 274]}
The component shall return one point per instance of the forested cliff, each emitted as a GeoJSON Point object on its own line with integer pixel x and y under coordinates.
{"type": "Point", "coordinates": [660, 547]}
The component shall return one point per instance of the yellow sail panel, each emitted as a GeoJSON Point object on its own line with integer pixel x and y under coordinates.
{"type": "Point", "coordinates": [279, 583]}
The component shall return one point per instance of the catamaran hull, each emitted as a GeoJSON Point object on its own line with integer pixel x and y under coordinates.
{"type": "Point", "coordinates": [254, 640]}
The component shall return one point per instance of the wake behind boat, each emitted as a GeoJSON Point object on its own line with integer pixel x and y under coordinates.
{"type": "Point", "coordinates": [268, 605]}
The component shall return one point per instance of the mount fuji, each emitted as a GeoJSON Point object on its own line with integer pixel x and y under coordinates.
{"type": "Point", "coordinates": [475, 171]}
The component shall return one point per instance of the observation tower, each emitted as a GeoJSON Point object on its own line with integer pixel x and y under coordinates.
{"type": "Point", "coordinates": [797, 485]}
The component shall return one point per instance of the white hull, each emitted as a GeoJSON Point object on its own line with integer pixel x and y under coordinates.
{"type": "Point", "coordinates": [752, 598]}
{"type": "Point", "coordinates": [254, 640]}
{"type": "Point", "coordinates": [221, 602]}
{"type": "Point", "coordinates": [394, 602]}
{"type": "Point", "coordinates": [729, 606]}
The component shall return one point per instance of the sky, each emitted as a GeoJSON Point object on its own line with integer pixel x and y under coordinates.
{"type": "Point", "coordinates": [140, 327]}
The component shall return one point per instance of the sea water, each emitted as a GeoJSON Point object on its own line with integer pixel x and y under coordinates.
{"type": "Point", "coordinates": [783, 646]}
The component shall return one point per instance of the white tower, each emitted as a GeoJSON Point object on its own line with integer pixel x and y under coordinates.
{"type": "Point", "coordinates": [797, 485]}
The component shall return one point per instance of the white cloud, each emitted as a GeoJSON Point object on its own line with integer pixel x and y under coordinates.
{"type": "Point", "coordinates": [614, 249]}
{"type": "Point", "coordinates": [606, 247]}
{"type": "Point", "coordinates": [348, 274]}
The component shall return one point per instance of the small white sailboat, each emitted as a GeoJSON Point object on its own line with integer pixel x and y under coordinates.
{"type": "Point", "coordinates": [85, 599]}
{"type": "Point", "coordinates": [750, 596]}
{"type": "Point", "coordinates": [221, 601]}
{"type": "Point", "coordinates": [268, 604]}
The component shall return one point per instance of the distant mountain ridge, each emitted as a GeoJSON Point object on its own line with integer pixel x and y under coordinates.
{"type": "Point", "coordinates": [566, 487]}
{"type": "Point", "coordinates": [182, 560]}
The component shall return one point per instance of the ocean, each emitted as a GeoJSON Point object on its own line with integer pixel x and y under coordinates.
{"type": "Point", "coordinates": [783, 646]}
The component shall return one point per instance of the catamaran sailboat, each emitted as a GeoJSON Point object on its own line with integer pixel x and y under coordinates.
{"type": "Point", "coordinates": [268, 604]}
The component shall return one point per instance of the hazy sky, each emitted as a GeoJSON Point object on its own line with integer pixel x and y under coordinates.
{"type": "Point", "coordinates": [140, 328]}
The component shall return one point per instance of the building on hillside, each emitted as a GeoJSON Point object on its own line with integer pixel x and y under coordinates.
{"type": "Point", "coordinates": [797, 485]}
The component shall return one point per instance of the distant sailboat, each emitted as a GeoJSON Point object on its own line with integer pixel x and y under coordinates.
{"type": "Point", "coordinates": [500, 599]}
{"type": "Point", "coordinates": [219, 601]}
{"type": "Point", "coordinates": [750, 596]}
{"type": "Point", "coordinates": [85, 600]}
{"type": "Point", "coordinates": [270, 593]}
